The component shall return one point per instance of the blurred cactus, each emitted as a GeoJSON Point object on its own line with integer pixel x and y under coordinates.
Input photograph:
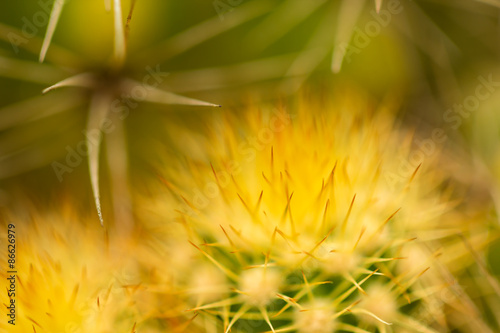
{"type": "Point", "coordinates": [60, 286]}
{"type": "Point", "coordinates": [341, 215]}
{"type": "Point", "coordinates": [312, 228]}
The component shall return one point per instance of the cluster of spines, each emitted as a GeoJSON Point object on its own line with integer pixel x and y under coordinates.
{"type": "Point", "coordinates": [235, 268]}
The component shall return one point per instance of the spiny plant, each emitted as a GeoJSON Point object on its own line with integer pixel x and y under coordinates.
{"type": "Point", "coordinates": [110, 94]}
{"type": "Point", "coordinates": [340, 32]}
{"type": "Point", "coordinates": [73, 276]}
{"type": "Point", "coordinates": [311, 225]}
{"type": "Point", "coordinates": [59, 284]}
{"type": "Point", "coordinates": [316, 223]}
{"type": "Point", "coordinates": [111, 80]}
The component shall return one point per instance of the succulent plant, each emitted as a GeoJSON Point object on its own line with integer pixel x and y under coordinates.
{"type": "Point", "coordinates": [112, 95]}
{"type": "Point", "coordinates": [342, 208]}
{"type": "Point", "coordinates": [59, 286]}
{"type": "Point", "coordinates": [317, 221]}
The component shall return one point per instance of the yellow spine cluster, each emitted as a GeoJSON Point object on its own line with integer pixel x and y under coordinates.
{"type": "Point", "coordinates": [299, 216]}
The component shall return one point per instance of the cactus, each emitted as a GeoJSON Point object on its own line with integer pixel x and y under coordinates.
{"type": "Point", "coordinates": [59, 285]}
{"type": "Point", "coordinates": [313, 227]}
{"type": "Point", "coordinates": [325, 213]}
